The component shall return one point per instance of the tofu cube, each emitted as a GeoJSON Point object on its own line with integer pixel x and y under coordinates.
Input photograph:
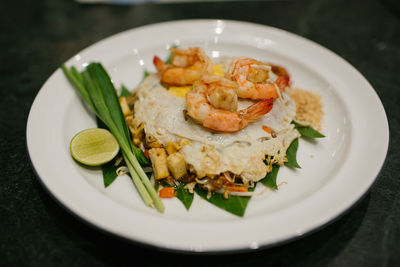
{"type": "Point", "coordinates": [158, 158]}
{"type": "Point", "coordinates": [177, 165]}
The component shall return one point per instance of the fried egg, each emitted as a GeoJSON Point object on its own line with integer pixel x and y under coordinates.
{"type": "Point", "coordinates": [206, 152]}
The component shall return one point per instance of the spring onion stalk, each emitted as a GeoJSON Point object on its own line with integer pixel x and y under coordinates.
{"type": "Point", "coordinates": [99, 93]}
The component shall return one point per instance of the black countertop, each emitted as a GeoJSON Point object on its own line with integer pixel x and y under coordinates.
{"type": "Point", "coordinates": [37, 36]}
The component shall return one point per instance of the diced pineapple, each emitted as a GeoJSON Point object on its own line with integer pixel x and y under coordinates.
{"type": "Point", "coordinates": [158, 158]}
{"type": "Point", "coordinates": [172, 147]}
{"type": "Point", "coordinates": [179, 91]}
{"type": "Point", "coordinates": [177, 165]}
{"type": "Point", "coordinates": [130, 121]}
{"type": "Point", "coordinates": [137, 134]}
{"type": "Point", "coordinates": [152, 142]}
{"type": "Point", "coordinates": [124, 106]}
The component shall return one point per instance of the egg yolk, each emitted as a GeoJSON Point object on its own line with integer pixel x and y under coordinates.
{"type": "Point", "coordinates": [181, 91]}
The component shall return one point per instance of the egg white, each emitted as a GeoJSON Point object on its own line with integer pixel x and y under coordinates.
{"type": "Point", "coordinates": [211, 153]}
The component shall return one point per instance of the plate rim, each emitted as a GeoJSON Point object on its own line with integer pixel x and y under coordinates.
{"type": "Point", "coordinates": [226, 250]}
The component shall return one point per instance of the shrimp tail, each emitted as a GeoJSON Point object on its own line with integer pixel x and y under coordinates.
{"type": "Point", "coordinates": [283, 81]}
{"type": "Point", "coordinates": [159, 64]}
{"type": "Point", "coordinates": [255, 111]}
{"type": "Point", "coordinates": [279, 70]}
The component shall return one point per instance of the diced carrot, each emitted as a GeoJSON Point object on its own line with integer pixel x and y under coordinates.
{"type": "Point", "coordinates": [146, 154]}
{"type": "Point", "coordinates": [265, 128]}
{"type": "Point", "coordinates": [237, 188]}
{"type": "Point", "coordinates": [167, 192]}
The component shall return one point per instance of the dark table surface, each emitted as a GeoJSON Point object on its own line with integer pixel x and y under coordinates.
{"type": "Point", "coordinates": [37, 36]}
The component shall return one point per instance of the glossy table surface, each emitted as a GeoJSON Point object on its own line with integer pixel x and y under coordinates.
{"type": "Point", "coordinates": [36, 37]}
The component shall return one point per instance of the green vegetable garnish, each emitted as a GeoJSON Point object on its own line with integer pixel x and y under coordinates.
{"type": "Point", "coordinates": [291, 154]}
{"type": "Point", "coordinates": [307, 131]}
{"type": "Point", "coordinates": [270, 178]}
{"type": "Point", "coordinates": [109, 173]}
{"type": "Point", "coordinates": [184, 196]}
{"type": "Point", "coordinates": [234, 204]}
{"type": "Point", "coordinates": [96, 88]}
{"type": "Point", "coordinates": [124, 91]}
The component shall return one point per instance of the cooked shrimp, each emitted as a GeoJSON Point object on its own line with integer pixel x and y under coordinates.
{"type": "Point", "coordinates": [187, 66]}
{"type": "Point", "coordinates": [218, 119]}
{"type": "Point", "coordinates": [254, 80]}
{"type": "Point", "coordinates": [221, 92]}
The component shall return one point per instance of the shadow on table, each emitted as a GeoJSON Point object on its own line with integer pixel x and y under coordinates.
{"type": "Point", "coordinates": [317, 249]}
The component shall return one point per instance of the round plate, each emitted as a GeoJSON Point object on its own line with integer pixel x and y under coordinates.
{"type": "Point", "coordinates": [336, 170]}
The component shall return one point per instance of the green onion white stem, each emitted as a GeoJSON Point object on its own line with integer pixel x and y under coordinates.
{"type": "Point", "coordinates": [97, 90]}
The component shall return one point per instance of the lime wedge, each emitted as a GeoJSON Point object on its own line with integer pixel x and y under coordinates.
{"type": "Point", "coordinates": [94, 147]}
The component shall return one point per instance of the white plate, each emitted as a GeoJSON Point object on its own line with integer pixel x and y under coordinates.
{"type": "Point", "coordinates": [336, 171]}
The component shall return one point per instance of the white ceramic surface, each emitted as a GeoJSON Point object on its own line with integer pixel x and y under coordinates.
{"type": "Point", "coordinates": [336, 171]}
